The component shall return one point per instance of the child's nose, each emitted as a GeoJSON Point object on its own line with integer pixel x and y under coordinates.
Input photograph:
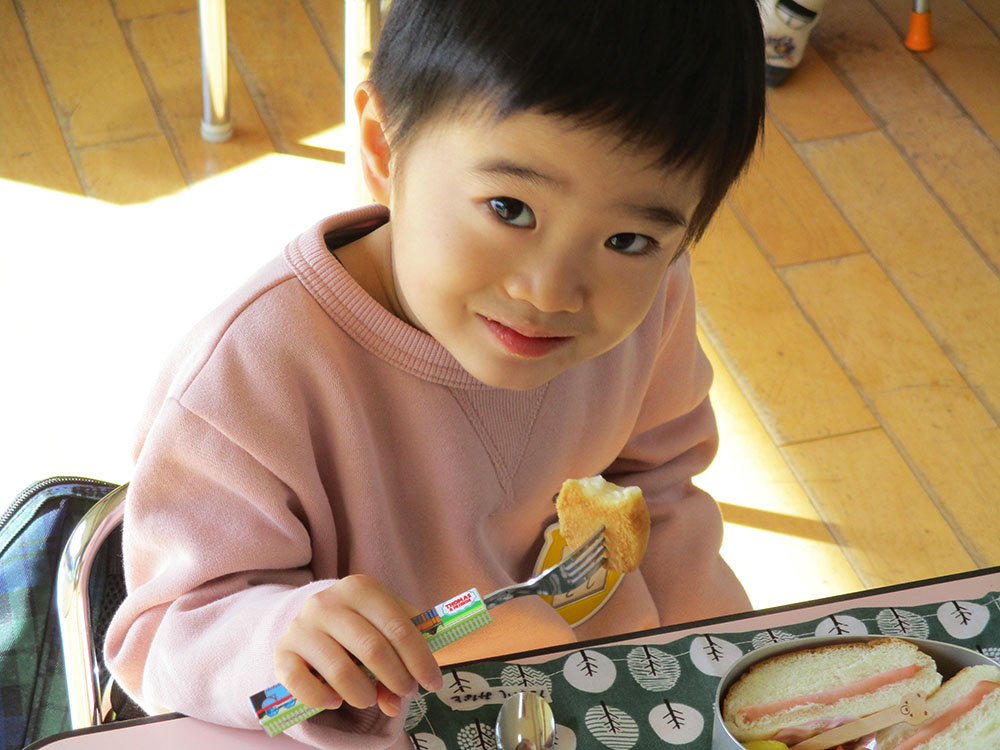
{"type": "Point", "coordinates": [550, 281]}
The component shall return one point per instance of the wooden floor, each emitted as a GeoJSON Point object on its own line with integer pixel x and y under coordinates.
{"type": "Point", "coordinates": [849, 289]}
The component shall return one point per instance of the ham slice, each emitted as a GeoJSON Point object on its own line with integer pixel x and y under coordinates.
{"type": "Point", "coordinates": [955, 711]}
{"type": "Point", "coordinates": [831, 696]}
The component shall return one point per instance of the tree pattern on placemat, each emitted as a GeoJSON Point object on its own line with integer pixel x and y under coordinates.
{"type": "Point", "coordinates": [676, 723]}
{"type": "Point", "coordinates": [655, 670]}
{"type": "Point", "coordinates": [993, 652]}
{"type": "Point", "coordinates": [612, 727]}
{"type": "Point", "coordinates": [478, 735]}
{"type": "Point", "coordinates": [769, 637]}
{"type": "Point", "coordinates": [840, 625]}
{"type": "Point", "coordinates": [895, 621]}
{"type": "Point", "coordinates": [565, 738]}
{"type": "Point", "coordinates": [668, 700]}
{"type": "Point", "coordinates": [590, 670]}
{"type": "Point", "coordinates": [963, 620]}
{"type": "Point", "coordinates": [416, 712]}
{"type": "Point", "coordinates": [424, 741]}
{"type": "Point", "coordinates": [518, 675]}
{"type": "Point", "coordinates": [713, 654]}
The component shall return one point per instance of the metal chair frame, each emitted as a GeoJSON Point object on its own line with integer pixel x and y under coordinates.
{"type": "Point", "coordinates": [89, 703]}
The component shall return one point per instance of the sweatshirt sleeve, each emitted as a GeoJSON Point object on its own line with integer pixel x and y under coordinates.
{"type": "Point", "coordinates": [674, 439]}
{"type": "Point", "coordinates": [217, 559]}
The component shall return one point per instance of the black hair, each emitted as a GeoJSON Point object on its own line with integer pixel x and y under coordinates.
{"type": "Point", "coordinates": [684, 78]}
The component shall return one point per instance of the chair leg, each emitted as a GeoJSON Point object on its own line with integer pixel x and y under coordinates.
{"type": "Point", "coordinates": [215, 123]}
{"type": "Point", "coordinates": [919, 37]}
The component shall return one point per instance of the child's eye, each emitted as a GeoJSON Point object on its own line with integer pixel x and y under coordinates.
{"type": "Point", "coordinates": [512, 211]}
{"type": "Point", "coordinates": [629, 243]}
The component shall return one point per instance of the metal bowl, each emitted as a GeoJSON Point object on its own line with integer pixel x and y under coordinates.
{"type": "Point", "coordinates": [950, 660]}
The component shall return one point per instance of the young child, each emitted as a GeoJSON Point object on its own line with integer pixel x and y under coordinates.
{"type": "Point", "coordinates": [379, 419]}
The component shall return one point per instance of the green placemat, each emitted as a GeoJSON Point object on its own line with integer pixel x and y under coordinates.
{"type": "Point", "coordinates": [623, 697]}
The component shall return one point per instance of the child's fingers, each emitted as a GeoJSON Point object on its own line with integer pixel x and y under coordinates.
{"type": "Point", "coordinates": [388, 702]}
{"type": "Point", "coordinates": [375, 644]}
{"type": "Point", "coordinates": [408, 657]}
{"type": "Point", "coordinates": [357, 620]}
{"type": "Point", "coordinates": [334, 664]}
{"type": "Point", "coordinates": [304, 683]}
{"type": "Point", "coordinates": [392, 618]}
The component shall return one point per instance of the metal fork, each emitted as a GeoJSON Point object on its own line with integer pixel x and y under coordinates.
{"type": "Point", "coordinates": [562, 577]}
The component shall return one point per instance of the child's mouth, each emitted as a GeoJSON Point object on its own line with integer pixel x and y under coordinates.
{"type": "Point", "coordinates": [522, 345]}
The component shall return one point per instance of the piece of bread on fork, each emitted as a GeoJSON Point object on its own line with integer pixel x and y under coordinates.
{"type": "Point", "coordinates": [584, 505]}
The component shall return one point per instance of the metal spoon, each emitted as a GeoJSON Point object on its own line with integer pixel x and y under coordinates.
{"type": "Point", "coordinates": [525, 722]}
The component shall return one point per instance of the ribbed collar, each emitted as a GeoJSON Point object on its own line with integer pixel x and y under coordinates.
{"type": "Point", "coordinates": [359, 315]}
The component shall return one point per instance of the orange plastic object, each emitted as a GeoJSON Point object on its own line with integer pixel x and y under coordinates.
{"type": "Point", "coordinates": [919, 37]}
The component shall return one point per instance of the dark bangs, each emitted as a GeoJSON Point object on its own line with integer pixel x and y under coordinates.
{"type": "Point", "coordinates": [682, 78]}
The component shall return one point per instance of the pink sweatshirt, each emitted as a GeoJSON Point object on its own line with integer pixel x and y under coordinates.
{"type": "Point", "coordinates": [303, 433]}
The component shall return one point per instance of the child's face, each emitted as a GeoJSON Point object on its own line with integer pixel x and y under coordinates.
{"type": "Point", "coordinates": [528, 246]}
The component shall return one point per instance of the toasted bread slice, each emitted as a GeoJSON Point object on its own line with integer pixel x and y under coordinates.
{"type": "Point", "coordinates": [584, 505]}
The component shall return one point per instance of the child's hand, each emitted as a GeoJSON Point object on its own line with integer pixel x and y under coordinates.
{"type": "Point", "coordinates": [360, 617]}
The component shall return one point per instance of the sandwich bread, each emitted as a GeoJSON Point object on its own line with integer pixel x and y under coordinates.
{"type": "Point", "coordinates": [811, 690]}
{"type": "Point", "coordinates": [965, 715]}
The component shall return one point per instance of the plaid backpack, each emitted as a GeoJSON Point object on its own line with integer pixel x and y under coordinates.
{"type": "Point", "coordinates": [33, 532]}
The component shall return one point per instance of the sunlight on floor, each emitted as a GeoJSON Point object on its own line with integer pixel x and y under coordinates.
{"type": "Point", "coordinates": [774, 541]}
{"type": "Point", "coordinates": [94, 296]}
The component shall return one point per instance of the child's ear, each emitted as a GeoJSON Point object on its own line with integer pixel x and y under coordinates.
{"type": "Point", "coordinates": [375, 152]}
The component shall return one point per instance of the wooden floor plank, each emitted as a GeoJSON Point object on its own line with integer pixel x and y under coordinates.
{"type": "Point", "coordinates": [96, 104]}
{"type": "Point", "coordinates": [168, 47]}
{"type": "Point", "coordinates": [789, 213]}
{"type": "Point", "coordinates": [769, 519]}
{"type": "Point", "coordinates": [328, 19]}
{"type": "Point", "coordinates": [944, 144]}
{"type": "Point", "coordinates": [926, 255]}
{"type": "Point", "coordinates": [794, 384]}
{"type": "Point", "coordinates": [888, 526]}
{"type": "Point", "coordinates": [126, 9]}
{"type": "Point", "coordinates": [922, 402]}
{"type": "Point", "coordinates": [793, 104]}
{"type": "Point", "coordinates": [989, 12]}
{"type": "Point", "coordinates": [274, 42]}
{"type": "Point", "coordinates": [134, 171]}
{"type": "Point", "coordinates": [962, 42]}
{"type": "Point", "coordinates": [32, 148]}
